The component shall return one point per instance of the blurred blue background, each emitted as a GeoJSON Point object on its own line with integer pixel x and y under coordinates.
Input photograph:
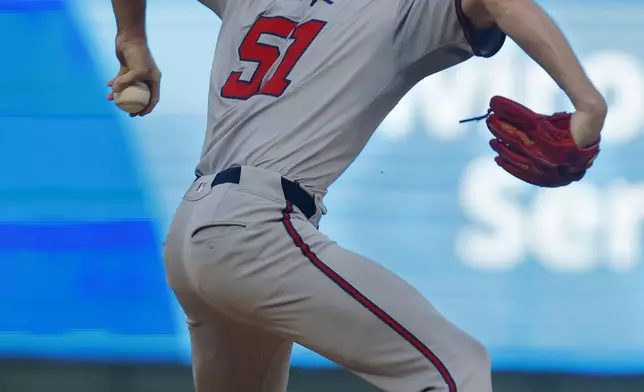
{"type": "Point", "coordinates": [548, 280]}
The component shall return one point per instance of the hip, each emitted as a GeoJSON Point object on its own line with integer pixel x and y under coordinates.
{"type": "Point", "coordinates": [240, 197]}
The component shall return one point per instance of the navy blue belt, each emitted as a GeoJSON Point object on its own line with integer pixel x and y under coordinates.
{"type": "Point", "coordinates": [293, 192]}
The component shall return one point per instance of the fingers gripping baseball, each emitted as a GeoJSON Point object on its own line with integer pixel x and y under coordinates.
{"type": "Point", "coordinates": [126, 78]}
{"type": "Point", "coordinates": [137, 67]}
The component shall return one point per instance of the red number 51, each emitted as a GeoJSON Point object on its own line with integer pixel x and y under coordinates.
{"type": "Point", "coordinates": [266, 55]}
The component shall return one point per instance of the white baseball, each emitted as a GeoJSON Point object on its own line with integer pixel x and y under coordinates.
{"type": "Point", "coordinates": [133, 98]}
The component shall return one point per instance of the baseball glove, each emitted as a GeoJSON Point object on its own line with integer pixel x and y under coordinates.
{"type": "Point", "coordinates": [536, 148]}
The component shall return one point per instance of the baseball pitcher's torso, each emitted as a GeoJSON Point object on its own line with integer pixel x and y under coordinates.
{"type": "Point", "coordinates": [299, 86]}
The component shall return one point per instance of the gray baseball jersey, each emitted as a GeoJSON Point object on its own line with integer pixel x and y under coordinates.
{"type": "Point", "coordinates": [299, 86]}
{"type": "Point", "coordinates": [297, 89]}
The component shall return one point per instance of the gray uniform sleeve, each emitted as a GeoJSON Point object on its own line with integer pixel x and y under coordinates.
{"type": "Point", "coordinates": [217, 6]}
{"type": "Point", "coordinates": [438, 28]}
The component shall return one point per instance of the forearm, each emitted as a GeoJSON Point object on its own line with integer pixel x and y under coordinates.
{"type": "Point", "coordinates": [130, 17]}
{"type": "Point", "coordinates": [536, 33]}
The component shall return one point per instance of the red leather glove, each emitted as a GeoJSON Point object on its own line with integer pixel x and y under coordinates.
{"type": "Point", "coordinates": [536, 148]}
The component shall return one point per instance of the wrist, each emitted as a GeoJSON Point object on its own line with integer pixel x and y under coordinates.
{"type": "Point", "coordinates": [585, 127]}
{"type": "Point", "coordinates": [132, 34]}
{"type": "Point", "coordinates": [593, 104]}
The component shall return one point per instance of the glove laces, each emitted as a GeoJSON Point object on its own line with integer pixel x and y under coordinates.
{"type": "Point", "coordinates": [477, 118]}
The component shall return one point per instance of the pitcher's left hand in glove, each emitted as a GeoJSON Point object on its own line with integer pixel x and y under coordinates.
{"type": "Point", "coordinates": [537, 148]}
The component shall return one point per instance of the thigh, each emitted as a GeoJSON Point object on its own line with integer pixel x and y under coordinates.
{"type": "Point", "coordinates": [362, 316]}
{"type": "Point", "coordinates": [301, 286]}
{"type": "Point", "coordinates": [229, 355]}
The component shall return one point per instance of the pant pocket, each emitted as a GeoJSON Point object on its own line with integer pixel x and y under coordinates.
{"type": "Point", "coordinates": [215, 230]}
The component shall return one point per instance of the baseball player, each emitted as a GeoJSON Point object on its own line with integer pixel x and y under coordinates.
{"type": "Point", "coordinates": [297, 89]}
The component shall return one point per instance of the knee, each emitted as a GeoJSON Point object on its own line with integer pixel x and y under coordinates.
{"type": "Point", "coordinates": [475, 373]}
{"type": "Point", "coordinates": [467, 369]}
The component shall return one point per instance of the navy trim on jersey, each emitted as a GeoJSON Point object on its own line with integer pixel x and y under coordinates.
{"type": "Point", "coordinates": [484, 43]}
{"type": "Point", "coordinates": [364, 301]}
